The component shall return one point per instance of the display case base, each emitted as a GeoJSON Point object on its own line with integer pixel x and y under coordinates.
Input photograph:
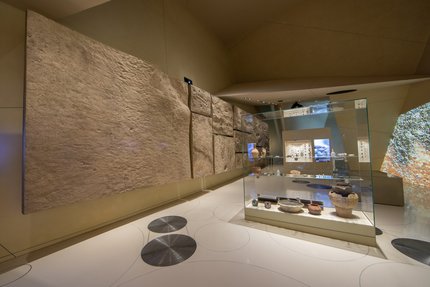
{"type": "Point", "coordinates": [357, 229]}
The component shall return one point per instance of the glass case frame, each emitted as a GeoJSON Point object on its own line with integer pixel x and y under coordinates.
{"type": "Point", "coordinates": [273, 180]}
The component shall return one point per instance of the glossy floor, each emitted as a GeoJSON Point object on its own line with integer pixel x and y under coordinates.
{"type": "Point", "coordinates": [233, 252]}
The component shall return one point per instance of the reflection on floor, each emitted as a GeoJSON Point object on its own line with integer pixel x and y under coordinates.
{"type": "Point", "coordinates": [233, 252]}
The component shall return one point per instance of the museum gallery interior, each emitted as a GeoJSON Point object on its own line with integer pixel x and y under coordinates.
{"type": "Point", "coordinates": [214, 143]}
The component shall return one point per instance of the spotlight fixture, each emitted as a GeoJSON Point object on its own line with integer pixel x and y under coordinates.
{"type": "Point", "coordinates": [188, 81]}
{"type": "Point", "coordinates": [341, 92]}
{"type": "Point", "coordinates": [296, 105]}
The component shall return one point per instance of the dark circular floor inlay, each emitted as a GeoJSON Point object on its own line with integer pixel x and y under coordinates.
{"type": "Point", "coordinates": [168, 250]}
{"type": "Point", "coordinates": [378, 231]}
{"type": "Point", "coordinates": [413, 248]}
{"type": "Point", "coordinates": [318, 186]}
{"type": "Point", "coordinates": [301, 181]}
{"type": "Point", "coordinates": [167, 224]}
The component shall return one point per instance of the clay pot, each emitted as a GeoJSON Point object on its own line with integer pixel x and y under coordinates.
{"type": "Point", "coordinates": [314, 208]}
{"type": "Point", "coordinates": [343, 204]}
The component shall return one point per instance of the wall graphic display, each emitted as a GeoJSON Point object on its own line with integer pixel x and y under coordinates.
{"type": "Point", "coordinates": [322, 150]}
{"type": "Point", "coordinates": [97, 121]}
{"type": "Point", "coordinates": [298, 151]}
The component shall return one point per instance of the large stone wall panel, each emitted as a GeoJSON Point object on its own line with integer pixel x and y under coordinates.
{"type": "Point", "coordinates": [97, 121]}
{"type": "Point", "coordinates": [261, 133]}
{"type": "Point", "coordinates": [243, 121]}
{"type": "Point", "coordinates": [224, 154]}
{"type": "Point", "coordinates": [201, 101]}
{"type": "Point", "coordinates": [222, 113]}
{"type": "Point", "coordinates": [202, 146]}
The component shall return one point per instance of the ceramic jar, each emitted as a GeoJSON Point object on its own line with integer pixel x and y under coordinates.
{"type": "Point", "coordinates": [314, 208]}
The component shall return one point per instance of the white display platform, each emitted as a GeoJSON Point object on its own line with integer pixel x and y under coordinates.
{"type": "Point", "coordinates": [357, 229]}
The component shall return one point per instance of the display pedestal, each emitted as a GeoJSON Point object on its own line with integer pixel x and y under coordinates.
{"type": "Point", "coordinates": [357, 229]}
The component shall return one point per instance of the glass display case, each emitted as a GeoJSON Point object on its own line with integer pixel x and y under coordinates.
{"type": "Point", "coordinates": [315, 174]}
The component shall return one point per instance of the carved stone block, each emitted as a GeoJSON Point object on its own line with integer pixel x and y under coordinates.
{"type": "Point", "coordinates": [224, 154]}
{"type": "Point", "coordinates": [201, 101]}
{"type": "Point", "coordinates": [98, 121]}
{"type": "Point", "coordinates": [222, 113]}
{"type": "Point", "coordinates": [243, 121]}
{"type": "Point", "coordinates": [202, 147]}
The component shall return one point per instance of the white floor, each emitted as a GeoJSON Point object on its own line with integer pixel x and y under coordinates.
{"type": "Point", "coordinates": [232, 252]}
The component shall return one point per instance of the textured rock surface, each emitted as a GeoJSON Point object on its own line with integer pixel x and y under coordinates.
{"type": "Point", "coordinates": [241, 160]}
{"type": "Point", "coordinates": [98, 121]}
{"type": "Point", "coordinates": [239, 141]}
{"type": "Point", "coordinates": [202, 147]}
{"type": "Point", "coordinates": [243, 121]}
{"type": "Point", "coordinates": [261, 133]}
{"type": "Point", "coordinates": [201, 101]}
{"type": "Point", "coordinates": [222, 113]}
{"type": "Point", "coordinates": [224, 154]}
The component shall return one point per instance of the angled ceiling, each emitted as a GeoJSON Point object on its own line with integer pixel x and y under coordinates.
{"type": "Point", "coordinates": [289, 41]}
{"type": "Point", "coordinates": [55, 9]}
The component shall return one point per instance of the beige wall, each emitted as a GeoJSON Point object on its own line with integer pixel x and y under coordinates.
{"type": "Point", "coordinates": [419, 94]}
{"type": "Point", "coordinates": [21, 234]}
{"type": "Point", "coordinates": [384, 106]}
{"type": "Point", "coordinates": [162, 33]}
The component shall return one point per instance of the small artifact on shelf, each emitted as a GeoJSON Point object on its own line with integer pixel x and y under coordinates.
{"type": "Point", "coordinates": [271, 198]}
{"type": "Point", "coordinates": [255, 153]}
{"type": "Point", "coordinates": [294, 171]}
{"type": "Point", "coordinates": [267, 204]}
{"type": "Point", "coordinates": [290, 205]}
{"type": "Point", "coordinates": [343, 199]}
{"type": "Point", "coordinates": [263, 152]}
{"type": "Point", "coordinates": [255, 202]}
{"type": "Point", "coordinates": [314, 208]}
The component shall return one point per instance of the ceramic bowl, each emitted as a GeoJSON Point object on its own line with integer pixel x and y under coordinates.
{"type": "Point", "coordinates": [291, 206]}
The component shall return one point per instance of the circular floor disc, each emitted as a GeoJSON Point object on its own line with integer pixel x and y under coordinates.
{"type": "Point", "coordinates": [167, 224]}
{"type": "Point", "coordinates": [168, 250]}
{"type": "Point", "coordinates": [301, 181]}
{"type": "Point", "coordinates": [318, 186]}
{"type": "Point", "coordinates": [416, 249]}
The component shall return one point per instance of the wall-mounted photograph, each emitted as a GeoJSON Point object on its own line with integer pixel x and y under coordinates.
{"type": "Point", "coordinates": [322, 150]}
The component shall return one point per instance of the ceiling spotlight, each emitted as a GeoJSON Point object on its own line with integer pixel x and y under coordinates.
{"type": "Point", "coordinates": [296, 105]}
{"type": "Point", "coordinates": [341, 92]}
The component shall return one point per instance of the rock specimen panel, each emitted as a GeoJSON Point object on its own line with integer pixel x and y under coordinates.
{"type": "Point", "coordinates": [97, 121]}
{"type": "Point", "coordinates": [243, 121]}
{"type": "Point", "coordinates": [241, 141]}
{"type": "Point", "coordinates": [224, 154]}
{"type": "Point", "coordinates": [222, 113]}
{"type": "Point", "coordinates": [261, 133]}
{"type": "Point", "coordinates": [202, 146]}
{"type": "Point", "coordinates": [201, 101]}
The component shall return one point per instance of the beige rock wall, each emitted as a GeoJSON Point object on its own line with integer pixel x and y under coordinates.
{"type": "Point", "coordinates": [222, 117]}
{"type": "Point", "coordinates": [201, 101]}
{"type": "Point", "coordinates": [202, 146]}
{"type": "Point", "coordinates": [224, 154]}
{"type": "Point", "coordinates": [98, 121]}
{"type": "Point", "coordinates": [243, 121]}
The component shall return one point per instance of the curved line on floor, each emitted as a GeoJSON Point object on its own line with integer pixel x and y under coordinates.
{"type": "Point", "coordinates": [31, 267]}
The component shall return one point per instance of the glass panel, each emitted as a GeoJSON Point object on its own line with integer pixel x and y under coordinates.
{"type": "Point", "coordinates": [313, 150]}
